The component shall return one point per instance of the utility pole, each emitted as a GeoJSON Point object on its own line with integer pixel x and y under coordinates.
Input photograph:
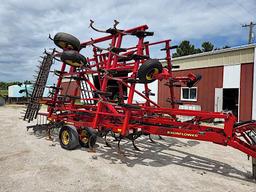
{"type": "Point", "coordinates": [251, 25]}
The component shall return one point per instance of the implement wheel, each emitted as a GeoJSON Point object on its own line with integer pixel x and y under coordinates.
{"type": "Point", "coordinates": [148, 70]}
{"type": "Point", "coordinates": [87, 138]}
{"type": "Point", "coordinates": [68, 137]}
{"type": "Point", "coordinates": [66, 41]}
{"type": "Point", "coordinates": [73, 58]}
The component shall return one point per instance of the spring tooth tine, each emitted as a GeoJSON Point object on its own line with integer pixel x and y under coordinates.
{"type": "Point", "coordinates": [135, 147]}
{"type": "Point", "coordinates": [150, 138]}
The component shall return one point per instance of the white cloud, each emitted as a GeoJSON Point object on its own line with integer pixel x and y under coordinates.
{"type": "Point", "coordinates": [25, 25]}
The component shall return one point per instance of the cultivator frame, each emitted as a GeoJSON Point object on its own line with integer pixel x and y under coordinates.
{"type": "Point", "coordinates": [109, 79]}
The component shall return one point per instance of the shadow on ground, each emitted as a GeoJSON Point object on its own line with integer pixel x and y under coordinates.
{"type": "Point", "coordinates": [159, 154]}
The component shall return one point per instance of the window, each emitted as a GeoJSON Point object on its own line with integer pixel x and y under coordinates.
{"type": "Point", "coordinates": [189, 94]}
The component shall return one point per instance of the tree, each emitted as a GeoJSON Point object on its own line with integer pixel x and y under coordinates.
{"type": "Point", "coordinates": [185, 48]}
{"type": "Point", "coordinates": [207, 46]}
{"type": "Point", "coordinates": [225, 47]}
{"type": "Point", "coordinates": [198, 50]}
{"type": "Point", "coordinates": [5, 85]}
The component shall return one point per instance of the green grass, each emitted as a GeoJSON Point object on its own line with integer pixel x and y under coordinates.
{"type": "Point", "coordinates": [3, 92]}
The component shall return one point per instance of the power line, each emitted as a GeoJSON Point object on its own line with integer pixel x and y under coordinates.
{"type": "Point", "coordinates": [243, 7]}
{"type": "Point", "coordinates": [220, 10]}
{"type": "Point", "coordinates": [251, 25]}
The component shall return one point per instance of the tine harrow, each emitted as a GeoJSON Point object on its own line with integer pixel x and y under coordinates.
{"type": "Point", "coordinates": [41, 79]}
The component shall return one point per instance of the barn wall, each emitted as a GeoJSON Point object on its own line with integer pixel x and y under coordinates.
{"type": "Point", "coordinates": [69, 89]}
{"type": "Point", "coordinates": [246, 89]}
{"type": "Point", "coordinates": [254, 88]}
{"type": "Point", "coordinates": [222, 57]}
{"type": "Point", "coordinates": [212, 78]}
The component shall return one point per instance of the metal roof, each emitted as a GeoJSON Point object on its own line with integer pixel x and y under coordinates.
{"type": "Point", "coordinates": [217, 51]}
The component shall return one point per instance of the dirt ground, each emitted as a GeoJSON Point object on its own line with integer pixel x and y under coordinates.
{"type": "Point", "coordinates": [30, 162]}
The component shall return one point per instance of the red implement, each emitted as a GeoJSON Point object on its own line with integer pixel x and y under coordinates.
{"type": "Point", "coordinates": [95, 95]}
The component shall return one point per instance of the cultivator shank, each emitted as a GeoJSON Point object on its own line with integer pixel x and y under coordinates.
{"type": "Point", "coordinates": [99, 96]}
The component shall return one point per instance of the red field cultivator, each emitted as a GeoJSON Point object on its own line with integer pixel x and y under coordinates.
{"type": "Point", "coordinates": [102, 100]}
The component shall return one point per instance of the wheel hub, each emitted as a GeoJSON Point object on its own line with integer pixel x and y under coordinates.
{"type": "Point", "coordinates": [65, 137]}
{"type": "Point", "coordinates": [152, 73]}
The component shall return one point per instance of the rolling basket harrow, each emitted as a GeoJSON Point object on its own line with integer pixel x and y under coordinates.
{"type": "Point", "coordinates": [102, 100]}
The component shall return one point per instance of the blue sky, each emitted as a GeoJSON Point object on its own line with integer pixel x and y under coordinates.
{"type": "Point", "coordinates": [25, 25]}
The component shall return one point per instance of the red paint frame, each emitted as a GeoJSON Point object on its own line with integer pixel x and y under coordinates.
{"type": "Point", "coordinates": [150, 118]}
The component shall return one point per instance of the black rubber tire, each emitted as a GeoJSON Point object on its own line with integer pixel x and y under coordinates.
{"type": "Point", "coordinates": [73, 139]}
{"type": "Point", "coordinates": [73, 58]}
{"type": "Point", "coordinates": [66, 41]}
{"type": "Point", "coordinates": [148, 68]}
{"type": "Point", "coordinates": [91, 137]}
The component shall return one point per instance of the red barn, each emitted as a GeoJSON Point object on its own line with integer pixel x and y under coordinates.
{"type": "Point", "coordinates": [228, 82]}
